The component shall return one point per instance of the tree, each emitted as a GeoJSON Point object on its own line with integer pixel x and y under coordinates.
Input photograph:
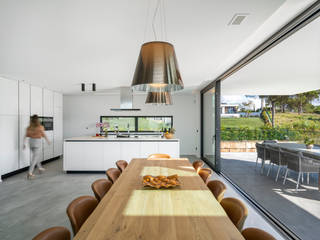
{"type": "Point", "coordinates": [301, 100]}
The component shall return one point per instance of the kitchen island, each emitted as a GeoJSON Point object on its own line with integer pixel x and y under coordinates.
{"type": "Point", "coordinates": [101, 153]}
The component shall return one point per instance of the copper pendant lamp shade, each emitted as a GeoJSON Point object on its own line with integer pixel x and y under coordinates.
{"type": "Point", "coordinates": [162, 98]}
{"type": "Point", "coordinates": [157, 69]}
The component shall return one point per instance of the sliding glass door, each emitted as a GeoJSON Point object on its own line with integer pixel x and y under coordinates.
{"type": "Point", "coordinates": [210, 150]}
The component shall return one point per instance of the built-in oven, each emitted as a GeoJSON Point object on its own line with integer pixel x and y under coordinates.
{"type": "Point", "coordinates": [47, 123]}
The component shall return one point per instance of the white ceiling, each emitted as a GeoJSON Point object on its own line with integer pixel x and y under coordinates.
{"type": "Point", "coordinates": [59, 44]}
{"type": "Point", "coordinates": [291, 67]}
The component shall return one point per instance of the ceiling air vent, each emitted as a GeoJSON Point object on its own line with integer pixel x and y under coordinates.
{"type": "Point", "coordinates": [238, 18]}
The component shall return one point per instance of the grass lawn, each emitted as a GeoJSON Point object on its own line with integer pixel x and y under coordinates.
{"type": "Point", "coordinates": [251, 123]}
{"type": "Point", "coordinates": [289, 119]}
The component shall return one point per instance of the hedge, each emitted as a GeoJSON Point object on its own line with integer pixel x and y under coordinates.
{"type": "Point", "coordinates": [266, 133]}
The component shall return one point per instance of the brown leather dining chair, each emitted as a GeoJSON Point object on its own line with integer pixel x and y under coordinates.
{"type": "Point", "coordinates": [54, 233]}
{"type": "Point", "coordinates": [100, 187]}
{"type": "Point", "coordinates": [113, 174]}
{"type": "Point", "coordinates": [256, 234]}
{"type": "Point", "coordinates": [236, 211]}
{"type": "Point", "coordinates": [79, 210]}
{"type": "Point", "coordinates": [217, 188]}
{"type": "Point", "coordinates": [197, 165]}
{"type": "Point", "coordinates": [159, 155]}
{"type": "Point", "coordinates": [205, 174]}
{"type": "Point", "coordinates": [121, 165]}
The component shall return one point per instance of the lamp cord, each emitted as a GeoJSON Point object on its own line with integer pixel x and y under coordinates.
{"type": "Point", "coordinates": [153, 19]}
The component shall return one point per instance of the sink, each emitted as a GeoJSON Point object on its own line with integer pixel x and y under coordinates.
{"type": "Point", "coordinates": [123, 136]}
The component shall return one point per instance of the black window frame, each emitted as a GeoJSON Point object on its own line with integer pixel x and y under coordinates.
{"type": "Point", "coordinates": [136, 127]}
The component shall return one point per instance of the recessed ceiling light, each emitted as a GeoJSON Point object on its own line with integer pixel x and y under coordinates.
{"type": "Point", "coordinates": [238, 18]}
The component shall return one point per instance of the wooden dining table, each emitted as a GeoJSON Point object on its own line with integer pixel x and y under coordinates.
{"type": "Point", "coordinates": [131, 211]}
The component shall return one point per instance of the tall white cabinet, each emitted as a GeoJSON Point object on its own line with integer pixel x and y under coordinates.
{"type": "Point", "coordinates": [57, 124]}
{"type": "Point", "coordinates": [24, 119]}
{"type": "Point", "coordinates": [47, 111]}
{"type": "Point", "coordinates": [18, 101]}
{"type": "Point", "coordinates": [8, 126]}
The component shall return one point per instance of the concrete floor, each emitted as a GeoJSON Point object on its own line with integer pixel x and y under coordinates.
{"type": "Point", "coordinates": [298, 210]}
{"type": "Point", "coordinates": [28, 207]}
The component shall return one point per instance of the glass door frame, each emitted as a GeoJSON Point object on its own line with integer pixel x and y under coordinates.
{"type": "Point", "coordinates": [217, 85]}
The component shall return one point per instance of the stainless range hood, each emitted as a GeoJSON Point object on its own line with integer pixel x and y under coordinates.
{"type": "Point", "coordinates": [125, 100]}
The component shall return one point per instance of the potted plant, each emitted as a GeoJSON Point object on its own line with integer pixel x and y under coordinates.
{"type": "Point", "coordinates": [308, 142]}
{"type": "Point", "coordinates": [169, 134]}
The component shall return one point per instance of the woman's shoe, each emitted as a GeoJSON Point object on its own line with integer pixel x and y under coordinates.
{"type": "Point", "coordinates": [30, 176]}
{"type": "Point", "coordinates": [41, 170]}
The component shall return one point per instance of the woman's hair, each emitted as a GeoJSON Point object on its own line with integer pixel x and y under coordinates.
{"type": "Point", "coordinates": [34, 121]}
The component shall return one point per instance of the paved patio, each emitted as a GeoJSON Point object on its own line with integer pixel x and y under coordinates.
{"type": "Point", "coordinates": [299, 210]}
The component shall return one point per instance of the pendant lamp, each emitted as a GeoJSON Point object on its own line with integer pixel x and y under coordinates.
{"type": "Point", "coordinates": [157, 69]}
{"type": "Point", "coordinates": [159, 98]}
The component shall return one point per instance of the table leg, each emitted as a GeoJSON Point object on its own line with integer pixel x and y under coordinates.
{"type": "Point", "coordinates": [319, 180]}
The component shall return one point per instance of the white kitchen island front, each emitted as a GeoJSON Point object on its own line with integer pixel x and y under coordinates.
{"type": "Point", "coordinates": [101, 153]}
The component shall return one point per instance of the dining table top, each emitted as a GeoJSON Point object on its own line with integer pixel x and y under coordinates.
{"type": "Point", "coordinates": [299, 147]}
{"type": "Point", "coordinates": [131, 211]}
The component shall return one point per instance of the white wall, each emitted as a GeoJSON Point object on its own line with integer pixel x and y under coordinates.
{"type": "Point", "coordinates": [81, 112]}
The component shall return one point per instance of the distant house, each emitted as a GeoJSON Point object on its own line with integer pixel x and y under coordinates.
{"type": "Point", "coordinates": [229, 110]}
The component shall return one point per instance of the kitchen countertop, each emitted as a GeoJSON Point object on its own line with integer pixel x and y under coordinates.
{"type": "Point", "coordinates": [113, 138]}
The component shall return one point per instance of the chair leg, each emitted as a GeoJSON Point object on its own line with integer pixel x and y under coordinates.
{"type": "Point", "coordinates": [270, 164]}
{"type": "Point", "coordinates": [302, 174]}
{"type": "Point", "coordinates": [308, 178]}
{"type": "Point", "coordinates": [298, 181]}
{"type": "Point", "coordinates": [285, 176]}
{"type": "Point", "coordinates": [256, 162]}
{"type": "Point", "coordinates": [262, 166]}
{"type": "Point", "coordinates": [279, 168]}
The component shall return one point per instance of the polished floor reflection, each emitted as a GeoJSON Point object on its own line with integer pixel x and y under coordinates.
{"type": "Point", "coordinates": [298, 210]}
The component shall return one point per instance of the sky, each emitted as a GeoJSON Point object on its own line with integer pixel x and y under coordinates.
{"type": "Point", "coordinates": [230, 99]}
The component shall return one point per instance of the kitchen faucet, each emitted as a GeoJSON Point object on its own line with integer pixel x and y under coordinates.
{"type": "Point", "coordinates": [128, 127]}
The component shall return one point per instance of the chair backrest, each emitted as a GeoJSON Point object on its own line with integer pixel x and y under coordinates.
{"type": "Point", "coordinates": [79, 210]}
{"type": "Point", "coordinates": [54, 233]}
{"type": "Point", "coordinates": [236, 211]}
{"type": "Point", "coordinates": [205, 174]}
{"type": "Point", "coordinates": [260, 150]}
{"type": "Point", "coordinates": [197, 165]}
{"type": "Point", "coordinates": [159, 155]}
{"type": "Point", "coordinates": [292, 158]}
{"type": "Point", "coordinates": [121, 165]}
{"type": "Point", "coordinates": [100, 187]}
{"type": "Point", "coordinates": [274, 154]}
{"type": "Point", "coordinates": [113, 174]}
{"type": "Point", "coordinates": [217, 188]}
{"type": "Point", "coordinates": [309, 162]}
{"type": "Point", "coordinates": [270, 141]}
{"type": "Point", "coordinates": [256, 234]}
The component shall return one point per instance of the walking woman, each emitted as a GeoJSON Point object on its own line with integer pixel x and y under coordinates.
{"type": "Point", "coordinates": [35, 132]}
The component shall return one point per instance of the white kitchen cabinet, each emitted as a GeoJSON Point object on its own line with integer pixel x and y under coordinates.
{"type": "Point", "coordinates": [111, 152]}
{"type": "Point", "coordinates": [48, 148]}
{"type": "Point", "coordinates": [8, 97]}
{"type": "Point", "coordinates": [24, 120]}
{"type": "Point", "coordinates": [171, 148]}
{"type": "Point", "coordinates": [24, 153]}
{"type": "Point", "coordinates": [9, 144]}
{"type": "Point", "coordinates": [84, 156]}
{"type": "Point", "coordinates": [57, 124]}
{"type": "Point", "coordinates": [36, 100]}
{"type": "Point", "coordinates": [130, 150]}
{"type": "Point", "coordinates": [90, 154]}
{"type": "Point", "coordinates": [47, 103]}
{"type": "Point", "coordinates": [148, 148]}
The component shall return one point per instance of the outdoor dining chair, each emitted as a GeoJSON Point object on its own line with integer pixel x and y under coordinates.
{"type": "Point", "coordinates": [300, 163]}
{"type": "Point", "coordinates": [275, 159]}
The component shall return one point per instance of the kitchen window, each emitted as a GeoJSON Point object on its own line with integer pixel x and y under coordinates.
{"type": "Point", "coordinates": [138, 123]}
